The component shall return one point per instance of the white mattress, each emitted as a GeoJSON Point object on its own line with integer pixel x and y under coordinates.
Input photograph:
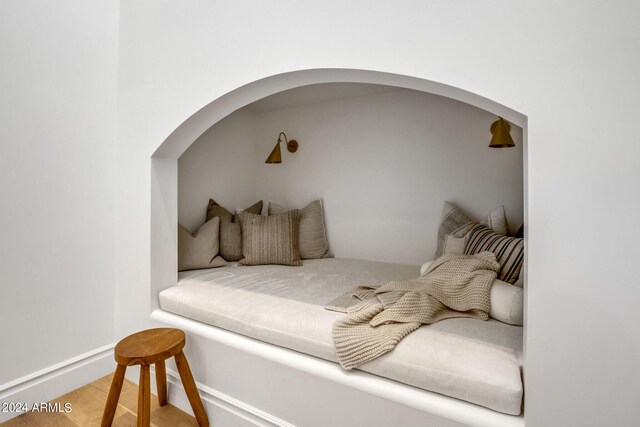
{"type": "Point", "coordinates": [473, 360]}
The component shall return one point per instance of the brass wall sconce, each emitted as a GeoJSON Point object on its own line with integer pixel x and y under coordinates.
{"type": "Point", "coordinates": [276, 155]}
{"type": "Point", "coordinates": [501, 134]}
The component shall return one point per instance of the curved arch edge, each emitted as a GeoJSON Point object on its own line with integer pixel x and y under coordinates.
{"type": "Point", "coordinates": [194, 126]}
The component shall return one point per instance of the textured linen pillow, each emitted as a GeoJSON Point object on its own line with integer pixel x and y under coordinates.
{"type": "Point", "coordinates": [270, 239]}
{"type": "Point", "coordinates": [509, 250]}
{"type": "Point", "coordinates": [454, 245]}
{"type": "Point", "coordinates": [497, 221]}
{"type": "Point", "coordinates": [457, 222]}
{"type": "Point", "coordinates": [312, 235]}
{"type": "Point", "coordinates": [199, 250]}
{"type": "Point", "coordinates": [230, 230]}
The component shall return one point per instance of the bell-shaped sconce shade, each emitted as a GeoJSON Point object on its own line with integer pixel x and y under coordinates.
{"type": "Point", "coordinates": [276, 154]}
{"type": "Point", "coordinates": [501, 134]}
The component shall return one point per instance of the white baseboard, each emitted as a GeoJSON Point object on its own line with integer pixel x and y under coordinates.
{"type": "Point", "coordinates": [58, 379]}
{"type": "Point", "coordinates": [219, 406]}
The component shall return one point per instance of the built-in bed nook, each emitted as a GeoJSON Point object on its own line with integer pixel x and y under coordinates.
{"type": "Point", "coordinates": [367, 184]}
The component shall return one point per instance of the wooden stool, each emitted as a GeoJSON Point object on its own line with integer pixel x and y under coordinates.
{"type": "Point", "coordinates": [146, 348]}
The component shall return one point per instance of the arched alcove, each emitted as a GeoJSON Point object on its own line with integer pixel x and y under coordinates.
{"type": "Point", "coordinates": [164, 205]}
{"type": "Point", "coordinates": [164, 171]}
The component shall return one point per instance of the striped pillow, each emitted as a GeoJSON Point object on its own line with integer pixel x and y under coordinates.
{"type": "Point", "coordinates": [270, 239]}
{"type": "Point", "coordinates": [509, 251]}
{"type": "Point", "coordinates": [457, 222]}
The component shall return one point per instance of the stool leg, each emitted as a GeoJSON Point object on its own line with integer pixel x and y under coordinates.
{"type": "Point", "coordinates": [144, 397]}
{"type": "Point", "coordinates": [161, 382]}
{"type": "Point", "coordinates": [190, 387]}
{"type": "Point", "coordinates": [114, 395]}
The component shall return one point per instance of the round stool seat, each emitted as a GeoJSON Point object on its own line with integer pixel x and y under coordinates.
{"type": "Point", "coordinates": [150, 346]}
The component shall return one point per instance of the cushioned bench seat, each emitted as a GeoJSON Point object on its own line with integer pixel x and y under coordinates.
{"type": "Point", "coordinates": [472, 360]}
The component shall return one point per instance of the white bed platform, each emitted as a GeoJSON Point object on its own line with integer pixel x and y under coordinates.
{"type": "Point", "coordinates": [246, 382]}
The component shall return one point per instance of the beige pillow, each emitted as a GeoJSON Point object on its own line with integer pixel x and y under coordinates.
{"type": "Point", "coordinates": [497, 221]}
{"type": "Point", "coordinates": [270, 239]}
{"type": "Point", "coordinates": [230, 230]}
{"type": "Point", "coordinates": [453, 244]}
{"type": "Point", "coordinates": [458, 223]}
{"type": "Point", "coordinates": [312, 236]}
{"type": "Point", "coordinates": [199, 250]}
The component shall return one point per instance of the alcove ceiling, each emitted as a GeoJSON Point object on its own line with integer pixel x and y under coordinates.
{"type": "Point", "coordinates": [316, 94]}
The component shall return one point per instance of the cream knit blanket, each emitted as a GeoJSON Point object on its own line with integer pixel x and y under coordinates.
{"type": "Point", "coordinates": [453, 286]}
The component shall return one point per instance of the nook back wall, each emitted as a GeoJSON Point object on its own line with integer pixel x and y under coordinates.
{"type": "Point", "coordinates": [383, 165]}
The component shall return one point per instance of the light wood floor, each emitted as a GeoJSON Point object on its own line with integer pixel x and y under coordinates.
{"type": "Point", "coordinates": [88, 403]}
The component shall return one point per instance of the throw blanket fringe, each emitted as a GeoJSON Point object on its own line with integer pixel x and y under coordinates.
{"type": "Point", "coordinates": [453, 286]}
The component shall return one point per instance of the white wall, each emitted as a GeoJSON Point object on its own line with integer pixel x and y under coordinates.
{"type": "Point", "coordinates": [573, 72]}
{"type": "Point", "coordinates": [57, 161]}
{"type": "Point", "coordinates": [383, 165]}
{"type": "Point", "coordinates": [219, 165]}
